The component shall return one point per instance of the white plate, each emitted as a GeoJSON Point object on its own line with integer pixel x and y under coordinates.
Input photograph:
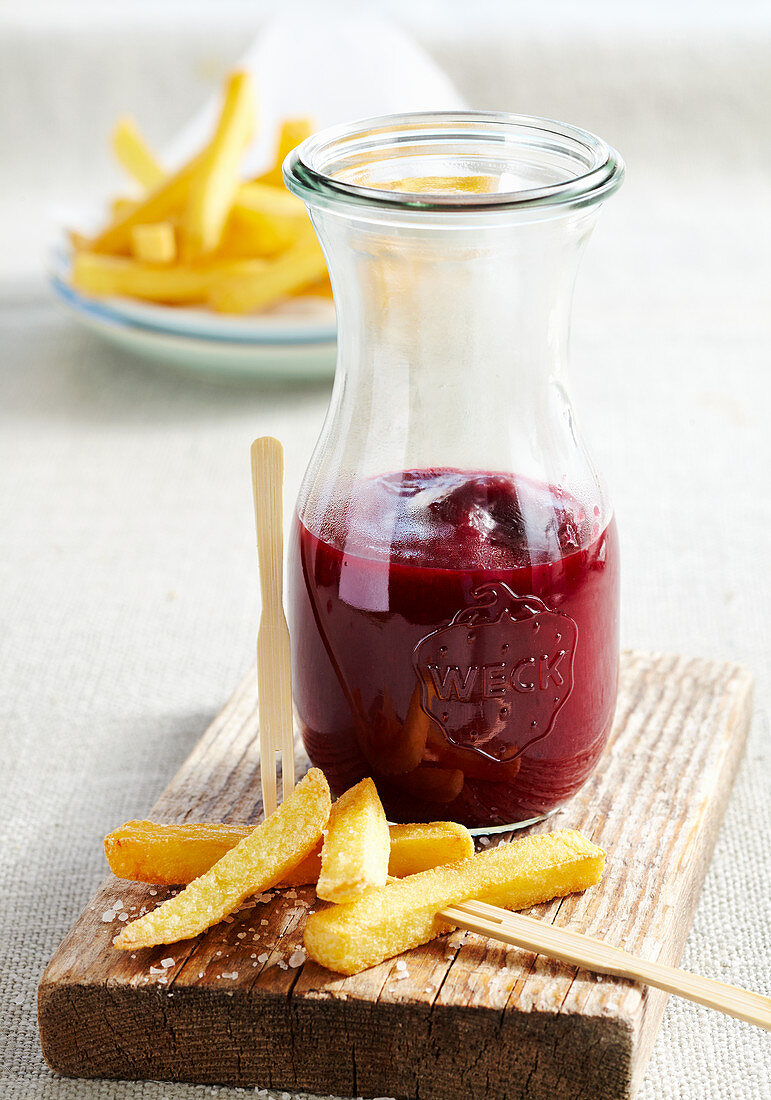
{"type": "Point", "coordinates": [298, 341]}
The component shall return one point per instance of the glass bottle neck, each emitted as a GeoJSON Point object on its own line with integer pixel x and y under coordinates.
{"type": "Point", "coordinates": [454, 340]}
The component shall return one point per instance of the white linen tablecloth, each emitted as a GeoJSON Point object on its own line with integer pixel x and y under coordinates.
{"type": "Point", "coordinates": [128, 588]}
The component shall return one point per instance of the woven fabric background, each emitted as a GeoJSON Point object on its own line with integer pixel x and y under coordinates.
{"type": "Point", "coordinates": [128, 589]}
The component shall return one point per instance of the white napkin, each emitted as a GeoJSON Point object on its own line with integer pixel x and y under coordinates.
{"type": "Point", "coordinates": [333, 62]}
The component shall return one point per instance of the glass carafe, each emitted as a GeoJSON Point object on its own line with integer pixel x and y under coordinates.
{"type": "Point", "coordinates": [453, 568]}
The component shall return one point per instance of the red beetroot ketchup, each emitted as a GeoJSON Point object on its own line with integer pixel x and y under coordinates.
{"type": "Point", "coordinates": [455, 636]}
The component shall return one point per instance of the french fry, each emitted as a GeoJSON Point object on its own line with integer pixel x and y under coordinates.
{"type": "Point", "coordinates": [158, 206]}
{"type": "Point", "coordinates": [176, 854]}
{"type": "Point", "coordinates": [264, 221]}
{"type": "Point", "coordinates": [298, 267]}
{"type": "Point", "coordinates": [257, 862]}
{"type": "Point", "coordinates": [215, 180]}
{"type": "Point", "coordinates": [416, 848]}
{"type": "Point", "coordinates": [121, 207]}
{"type": "Point", "coordinates": [356, 847]}
{"type": "Point", "coordinates": [154, 244]}
{"type": "Point", "coordinates": [169, 854]}
{"type": "Point", "coordinates": [321, 289]}
{"type": "Point", "coordinates": [390, 919]}
{"type": "Point", "coordinates": [77, 240]}
{"type": "Point", "coordinates": [133, 154]}
{"type": "Point", "coordinates": [95, 274]}
{"type": "Point", "coordinates": [293, 131]}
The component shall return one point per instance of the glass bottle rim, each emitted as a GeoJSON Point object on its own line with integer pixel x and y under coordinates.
{"type": "Point", "coordinates": [578, 168]}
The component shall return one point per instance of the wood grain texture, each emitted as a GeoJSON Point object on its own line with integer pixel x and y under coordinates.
{"type": "Point", "coordinates": [472, 1019]}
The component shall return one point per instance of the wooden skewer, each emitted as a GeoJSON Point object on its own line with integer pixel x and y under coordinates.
{"type": "Point", "coordinates": [592, 954]}
{"type": "Point", "coordinates": [274, 676]}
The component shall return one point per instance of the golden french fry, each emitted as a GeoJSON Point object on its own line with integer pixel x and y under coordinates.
{"type": "Point", "coordinates": [133, 154]}
{"type": "Point", "coordinates": [257, 862]}
{"type": "Point", "coordinates": [270, 199]}
{"type": "Point", "coordinates": [121, 207]}
{"type": "Point", "coordinates": [158, 206]}
{"type": "Point", "coordinates": [170, 854]}
{"type": "Point", "coordinates": [77, 240]}
{"type": "Point", "coordinates": [154, 244]}
{"type": "Point", "coordinates": [357, 845]}
{"type": "Point", "coordinates": [403, 914]}
{"type": "Point", "coordinates": [321, 289]}
{"type": "Point", "coordinates": [298, 267]}
{"type": "Point", "coordinates": [293, 131]}
{"type": "Point", "coordinates": [416, 848]}
{"type": "Point", "coordinates": [264, 221]}
{"type": "Point", "coordinates": [215, 180]}
{"type": "Point", "coordinates": [96, 274]}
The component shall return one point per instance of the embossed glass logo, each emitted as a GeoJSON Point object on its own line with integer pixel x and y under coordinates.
{"type": "Point", "coordinates": [495, 677]}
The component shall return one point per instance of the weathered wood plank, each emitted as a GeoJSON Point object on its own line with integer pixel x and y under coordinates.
{"type": "Point", "coordinates": [471, 1018]}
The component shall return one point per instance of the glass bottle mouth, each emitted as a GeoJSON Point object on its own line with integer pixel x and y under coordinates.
{"type": "Point", "coordinates": [453, 162]}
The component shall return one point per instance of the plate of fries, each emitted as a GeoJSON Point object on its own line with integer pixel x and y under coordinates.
{"type": "Point", "coordinates": [203, 268]}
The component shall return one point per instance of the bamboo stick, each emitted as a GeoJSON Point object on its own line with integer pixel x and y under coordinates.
{"type": "Point", "coordinates": [273, 655]}
{"type": "Point", "coordinates": [592, 954]}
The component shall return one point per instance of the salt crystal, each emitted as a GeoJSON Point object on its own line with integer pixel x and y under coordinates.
{"type": "Point", "coordinates": [291, 893]}
{"type": "Point", "coordinates": [254, 964]}
{"type": "Point", "coordinates": [219, 952]}
{"type": "Point", "coordinates": [250, 930]}
{"type": "Point", "coordinates": [242, 935]}
{"type": "Point", "coordinates": [263, 923]}
{"type": "Point", "coordinates": [282, 964]}
{"type": "Point", "coordinates": [232, 976]}
{"type": "Point", "coordinates": [401, 965]}
{"type": "Point", "coordinates": [484, 841]}
{"type": "Point", "coordinates": [155, 970]}
{"type": "Point", "coordinates": [163, 980]}
{"type": "Point", "coordinates": [108, 916]}
{"type": "Point", "coordinates": [117, 904]}
{"type": "Point", "coordinates": [153, 892]}
{"type": "Point", "coordinates": [123, 916]}
{"type": "Point", "coordinates": [133, 956]}
{"type": "Point", "coordinates": [297, 958]}
{"type": "Point", "coordinates": [167, 962]}
{"type": "Point", "coordinates": [253, 955]}
{"type": "Point", "coordinates": [263, 958]}
{"type": "Point", "coordinates": [402, 974]}
{"type": "Point", "coordinates": [200, 973]}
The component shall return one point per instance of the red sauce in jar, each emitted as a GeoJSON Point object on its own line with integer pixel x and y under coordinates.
{"type": "Point", "coordinates": [455, 636]}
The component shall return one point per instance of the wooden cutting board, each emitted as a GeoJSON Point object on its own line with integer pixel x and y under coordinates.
{"type": "Point", "coordinates": [469, 1019]}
